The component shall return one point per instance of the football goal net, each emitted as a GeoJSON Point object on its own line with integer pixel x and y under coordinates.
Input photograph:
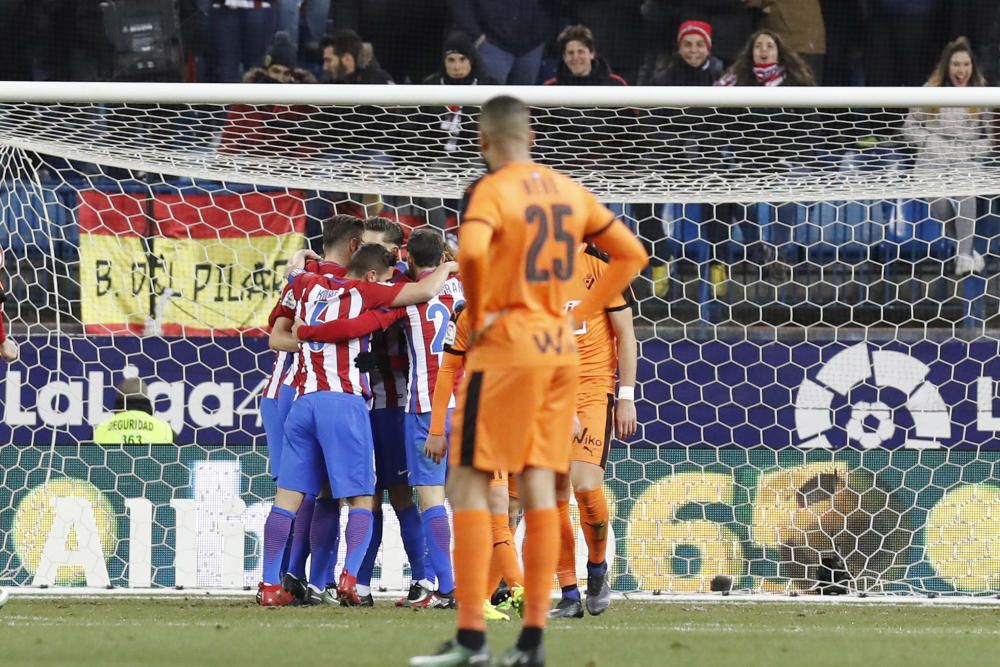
{"type": "Point", "coordinates": [818, 324]}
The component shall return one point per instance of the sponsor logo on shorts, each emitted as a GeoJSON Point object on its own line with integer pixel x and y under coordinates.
{"type": "Point", "coordinates": [589, 441]}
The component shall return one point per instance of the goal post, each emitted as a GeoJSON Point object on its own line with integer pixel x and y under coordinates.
{"type": "Point", "coordinates": [818, 373]}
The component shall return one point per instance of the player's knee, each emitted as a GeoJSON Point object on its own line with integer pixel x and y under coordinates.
{"type": "Point", "coordinates": [538, 488]}
{"type": "Point", "coordinates": [586, 476]}
{"type": "Point", "coordinates": [361, 502]}
{"type": "Point", "coordinates": [430, 496]}
{"type": "Point", "coordinates": [287, 499]}
{"type": "Point", "coordinates": [467, 488]}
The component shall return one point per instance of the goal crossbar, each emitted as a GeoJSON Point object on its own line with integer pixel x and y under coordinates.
{"type": "Point", "coordinates": [540, 96]}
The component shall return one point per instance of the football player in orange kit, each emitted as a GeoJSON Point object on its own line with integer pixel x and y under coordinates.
{"type": "Point", "coordinates": [518, 399]}
{"type": "Point", "coordinates": [503, 562]}
{"type": "Point", "coordinates": [606, 344]}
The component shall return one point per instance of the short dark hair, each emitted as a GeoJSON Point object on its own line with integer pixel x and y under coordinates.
{"type": "Point", "coordinates": [391, 229]}
{"type": "Point", "coordinates": [344, 41]}
{"type": "Point", "coordinates": [505, 116]}
{"type": "Point", "coordinates": [426, 246]}
{"type": "Point", "coordinates": [339, 229]}
{"type": "Point", "coordinates": [577, 33]}
{"type": "Point", "coordinates": [371, 257]}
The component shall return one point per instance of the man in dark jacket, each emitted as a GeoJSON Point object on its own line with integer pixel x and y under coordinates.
{"type": "Point", "coordinates": [343, 62]}
{"type": "Point", "coordinates": [509, 34]}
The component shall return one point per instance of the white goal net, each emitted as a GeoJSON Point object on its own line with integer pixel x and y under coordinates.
{"type": "Point", "coordinates": [818, 325]}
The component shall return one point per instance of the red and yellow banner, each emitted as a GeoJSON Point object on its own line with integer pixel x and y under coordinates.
{"type": "Point", "coordinates": [195, 264]}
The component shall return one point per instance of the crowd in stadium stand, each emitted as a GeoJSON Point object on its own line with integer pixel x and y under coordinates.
{"type": "Point", "coordinates": [843, 42]}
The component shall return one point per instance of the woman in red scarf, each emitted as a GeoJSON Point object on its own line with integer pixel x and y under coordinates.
{"type": "Point", "coordinates": [766, 61]}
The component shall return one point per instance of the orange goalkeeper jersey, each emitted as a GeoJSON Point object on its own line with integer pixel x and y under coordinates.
{"type": "Point", "coordinates": [536, 220]}
{"type": "Point", "coordinates": [595, 337]}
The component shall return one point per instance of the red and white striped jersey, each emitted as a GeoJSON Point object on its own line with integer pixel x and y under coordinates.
{"type": "Point", "coordinates": [281, 373]}
{"type": "Point", "coordinates": [286, 364]}
{"type": "Point", "coordinates": [426, 325]}
{"type": "Point", "coordinates": [319, 299]}
{"type": "Point", "coordinates": [390, 391]}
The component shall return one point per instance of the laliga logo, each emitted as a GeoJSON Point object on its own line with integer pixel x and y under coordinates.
{"type": "Point", "coordinates": [871, 423]}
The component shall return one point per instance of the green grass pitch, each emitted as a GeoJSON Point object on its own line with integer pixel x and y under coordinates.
{"type": "Point", "coordinates": [204, 631]}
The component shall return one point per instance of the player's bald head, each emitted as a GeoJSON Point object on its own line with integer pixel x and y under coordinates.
{"type": "Point", "coordinates": [505, 118]}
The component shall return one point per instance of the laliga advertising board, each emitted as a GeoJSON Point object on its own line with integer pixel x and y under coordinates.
{"type": "Point", "coordinates": [753, 456]}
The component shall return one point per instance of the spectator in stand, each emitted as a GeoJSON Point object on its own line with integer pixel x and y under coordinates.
{"type": "Point", "coordinates": [239, 33]}
{"type": "Point", "coordinates": [581, 66]}
{"type": "Point", "coordinates": [800, 24]}
{"type": "Point", "coordinates": [693, 64]}
{"type": "Point", "coordinates": [731, 22]}
{"type": "Point", "coordinates": [953, 139]}
{"type": "Point", "coordinates": [346, 59]}
{"type": "Point", "coordinates": [280, 64]}
{"type": "Point", "coordinates": [315, 17]}
{"type": "Point", "coordinates": [617, 26]}
{"type": "Point", "coordinates": [765, 141]}
{"type": "Point", "coordinates": [901, 41]}
{"type": "Point", "coordinates": [510, 35]}
{"type": "Point", "coordinates": [450, 134]}
{"type": "Point", "coordinates": [766, 61]}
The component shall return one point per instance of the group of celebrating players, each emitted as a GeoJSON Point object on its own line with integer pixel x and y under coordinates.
{"type": "Point", "coordinates": [395, 377]}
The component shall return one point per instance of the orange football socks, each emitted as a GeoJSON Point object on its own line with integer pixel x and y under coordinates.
{"type": "Point", "coordinates": [566, 567]}
{"type": "Point", "coordinates": [594, 520]}
{"type": "Point", "coordinates": [504, 563]}
{"type": "Point", "coordinates": [472, 553]}
{"type": "Point", "coordinates": [541, 552]}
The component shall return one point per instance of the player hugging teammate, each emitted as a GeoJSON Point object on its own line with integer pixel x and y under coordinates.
{"type": "Point", "coordinates": [406, 344]}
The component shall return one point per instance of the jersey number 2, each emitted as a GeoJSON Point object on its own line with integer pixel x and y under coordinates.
{"type": "Point", "coordinates": [439, 315]}
{"type": "Point", "coordinates": [562, 267]}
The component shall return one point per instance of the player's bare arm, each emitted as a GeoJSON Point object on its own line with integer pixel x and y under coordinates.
{"type": "Point", "coordinates": [282, 339]}
{"type": "Point", "coordinates": [625, 418]}
{"type": "Point", "coordinates": [423, 291]}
